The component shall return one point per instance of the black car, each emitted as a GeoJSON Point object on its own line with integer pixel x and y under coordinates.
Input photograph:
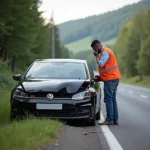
{"type": "Point", "coordinates": [57, 88]}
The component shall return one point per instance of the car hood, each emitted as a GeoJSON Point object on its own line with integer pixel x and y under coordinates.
{"type": "Point", "coordinates": [54, 85]}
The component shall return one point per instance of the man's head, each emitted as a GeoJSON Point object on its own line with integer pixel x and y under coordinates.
{"type": "Point", "coordinates": [96, 45]}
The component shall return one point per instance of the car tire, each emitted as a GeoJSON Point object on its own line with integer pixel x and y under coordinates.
{"type": "Point", "coordinates": [15, 117]}
{"type": "Point", "coordinates": [12, 116]}
{"type": "Point", "coordinates": [92, 121]}
{"type": "Point", "coordinates": [98, 114]}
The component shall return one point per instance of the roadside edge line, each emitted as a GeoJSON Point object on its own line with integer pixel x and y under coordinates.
{"type": "Point", "coordinates": [110, 138]}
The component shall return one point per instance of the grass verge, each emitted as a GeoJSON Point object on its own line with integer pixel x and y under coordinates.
{"type": "Point", "coordinates": [27, 134]}
{"type": "Point", "coordinates": [145, 82]}
{"type": "Point", "coordinates": [80, 45]}
{"type": "Point", "coordinates": [4, 106]}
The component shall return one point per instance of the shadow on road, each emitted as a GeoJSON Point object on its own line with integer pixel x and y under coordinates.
{"type": "Point", "coordinates": [76, 123]}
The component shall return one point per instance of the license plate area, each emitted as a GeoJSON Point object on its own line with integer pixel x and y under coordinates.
{"type": "Point", "coordinates": [49, 106]}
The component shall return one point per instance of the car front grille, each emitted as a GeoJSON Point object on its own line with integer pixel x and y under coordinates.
{"type": "Point", "coordinates": [56, 95]}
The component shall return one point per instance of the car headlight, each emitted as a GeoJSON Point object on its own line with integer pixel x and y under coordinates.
{"type": "Point", "coordinates": [19, 93]}
{"type": "Point", "coordinates": [82, 95]}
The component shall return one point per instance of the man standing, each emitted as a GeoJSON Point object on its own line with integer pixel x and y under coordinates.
{"type": "Point", "coordinates": [110, 75]}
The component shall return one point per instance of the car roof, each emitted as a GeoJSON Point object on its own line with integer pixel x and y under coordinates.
{"type": "Point", "coordinates": [61, 60]}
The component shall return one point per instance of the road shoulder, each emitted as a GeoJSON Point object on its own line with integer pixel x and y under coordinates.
{"type": "Point", "coordinates": [72, 138]}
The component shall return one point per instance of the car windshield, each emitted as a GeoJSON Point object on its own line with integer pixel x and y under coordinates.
{"type": "Point", "coordinates": [57, 70]}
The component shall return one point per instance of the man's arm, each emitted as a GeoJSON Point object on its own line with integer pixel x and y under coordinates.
{"type": "Point", "coordinates": [104, 58]}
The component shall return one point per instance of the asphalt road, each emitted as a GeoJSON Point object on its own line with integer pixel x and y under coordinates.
{"type": "Point", "coordinates": [72, 138]}
{"type": "Point", "coordinates": [133, 133]}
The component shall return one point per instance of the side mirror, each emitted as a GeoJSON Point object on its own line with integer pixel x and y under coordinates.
{"type": "Point", "coordinates": [17, 77]}
{"type": "Point", "coordinates": [97, 78]}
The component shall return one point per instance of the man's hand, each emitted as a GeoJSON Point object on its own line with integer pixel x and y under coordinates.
{"type": "Point", "coordinates": [95, 54]}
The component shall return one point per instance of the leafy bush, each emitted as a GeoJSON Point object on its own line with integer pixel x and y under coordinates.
{"type": "Point", "coordinates": [6, 81]}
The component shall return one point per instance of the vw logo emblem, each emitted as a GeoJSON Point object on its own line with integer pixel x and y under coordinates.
{"type": "Point", "coordinates": [50, 96]}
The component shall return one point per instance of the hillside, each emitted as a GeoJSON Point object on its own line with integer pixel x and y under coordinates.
{"type": "Point", "coordinates": [104, 27]}
{"type": "Point", "coordinates": [84, 44]}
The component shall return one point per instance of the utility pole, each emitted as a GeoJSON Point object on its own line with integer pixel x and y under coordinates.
{"type": "Point", "coordinates": [53, 35]}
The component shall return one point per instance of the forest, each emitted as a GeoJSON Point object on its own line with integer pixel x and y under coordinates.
{"type": "Point", "coordinates": [103, 27]}
{"type": "Point", "coordinates": [133, 46]}
{"type": "Point", "coordinates": [25, 37]}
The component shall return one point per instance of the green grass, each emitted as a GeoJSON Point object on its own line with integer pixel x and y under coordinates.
{"type": "Point", "coordinates": [27, 134]}
{"type": "Point", "coordinates": [136, 81]}
{"type": "Point", "coordinates": [84, 44]}
{"type": "Point", "coordinates": [110, 42]}
{"type": "Point", "coordinates": [77, 46]}
{"type": "Point", "coordinates": [4, 107]}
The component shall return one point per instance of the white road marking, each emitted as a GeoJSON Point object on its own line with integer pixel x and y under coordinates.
{"type": "Point", "coordinates": [130, 92]}
{"type": "Point", "coordinates": [143, 96]}
{"type": "Point", "coordinates": [111, 140]}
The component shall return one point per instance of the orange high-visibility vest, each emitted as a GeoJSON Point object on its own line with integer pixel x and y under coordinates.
{"type": "Point", "coordinates": [110, 71]}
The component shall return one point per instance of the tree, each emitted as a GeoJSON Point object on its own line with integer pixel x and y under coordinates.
{"type": "Point", "coordinates": [131, 53]}
{"type": "Point", "coordinates": [26, 29]}
{"type": "Point", "coordinates": [103, 27]}
{"type": "Point", "coordinates": [120, 47]}
{"type": "Point", "coordinates": [132, 39]}
{"type": "Point", "coordinates": [24, 35]}
{"type": "Point", "coordinates": [88, 56]}
{"type": "Point", "coordinates": [144, 60]}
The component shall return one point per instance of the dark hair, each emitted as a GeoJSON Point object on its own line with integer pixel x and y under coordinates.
{"type": "Point", "coordinates": [95, 42]}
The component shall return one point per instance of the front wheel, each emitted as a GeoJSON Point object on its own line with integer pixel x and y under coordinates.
{"type": "Point", "coordinates": [12, 116]}
{"type": "Point", "coordinates": [92, 121]}
{"type": "Point", "coordinates": [98, 114]}
{"type": "Point", "coordinates": [15, 117]}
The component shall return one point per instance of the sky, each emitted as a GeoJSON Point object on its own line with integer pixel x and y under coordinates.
{"type": "Point", "coordinates": [66, 10]}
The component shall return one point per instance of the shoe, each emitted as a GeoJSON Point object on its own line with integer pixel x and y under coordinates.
{"type": "Point", "coordinates": [106, 123]}
{"type": "Point", "coordinates": [116, 122]}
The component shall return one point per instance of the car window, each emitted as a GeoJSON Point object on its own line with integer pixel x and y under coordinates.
{"type": "Point", "coordinates": [58, 70]}
{"type": "Point", "coordinates": [91, 71]}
